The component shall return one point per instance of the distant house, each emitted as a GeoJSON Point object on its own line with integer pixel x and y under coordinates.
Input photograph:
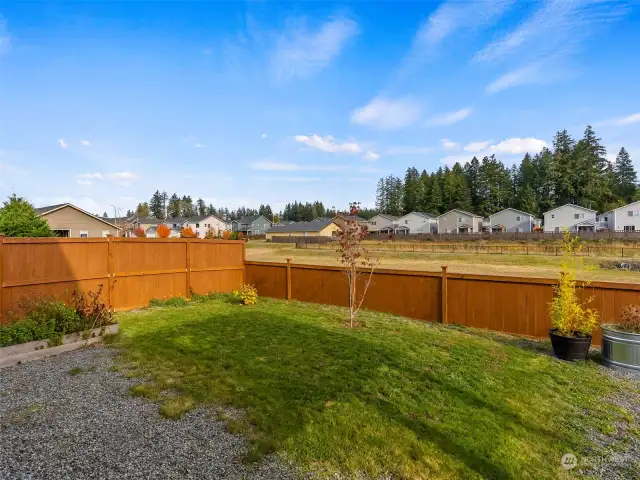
{"type": "Point", "coordinates": [512, 220]}
{"type": "Point", "coordinates": [382, 223]}
{"type": "Point", "coordinates": [152, 232]}
{"type": "Point", "coordinates": [202, 224]}
{"type": "Point", "coordinates": [304, 229]}
{"type": "Point", "coordinates": [573, 218]}
{"type": "Point", "coordinates": [67, 220]}
{"type": "Point", "coordinates": [626, 218]}
{"type": "Point", "coordinates": [254, 225]}
{"type": "Point", "coordinates": [604, 221]}
{"type": "Point", "coordinates": [459, 221]}
{"type": "Point", "coordinates": [341, 220]}
{"type": "Point", "coordinates": [415, 222]}
{"type": "Point", "coordinates": [145, 222]}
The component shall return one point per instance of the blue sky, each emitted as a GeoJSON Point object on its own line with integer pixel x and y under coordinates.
{"type": "Point", "coordinates": [243, 103]}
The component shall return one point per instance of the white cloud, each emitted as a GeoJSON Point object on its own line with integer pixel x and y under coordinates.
{"type": "Point", "coordinates": [406, 150]}
{"type": "Point", "coordinates": [288, 179]}
{"type": "Point", "coordinates": [123, 179]}
{"type": "Point", "coordinates": [302, 51]}
{"type": "Point", "coordinates": [121, 176]}
{"type": "Point", "coordinates": [448, 144]}
{"type": "Point", "coordinates": [264, 135]}
{"type": "Point", "coordinates": [62, 144]}
{"type": "Point", "coordinates": [85, 143]}
{"type": "Point", "coordinates": [199, 145]}
{"type": "Point", "coordinates": [449, 118]}
{"type": "Point", "coordinates": [268, 165]}
{"type": "Point", "coordinates": [476, 146]}
{"type": "Point", "coordinates": [91, 176]}
{"type": "Point", "coordinates": [526, 75]}
{"type": "Point", "coordinates": [371, 156]}
{"type": "Point", "coordinates": [509, 147]}
{"type": "Point", "coordinates": [328, 144]}
{"type": "Point", "coordinates": [84, 182]}
{"type": "Point", "coordinates": [619, 121]}
{"type": "Point", "coordinates": [388, 114]}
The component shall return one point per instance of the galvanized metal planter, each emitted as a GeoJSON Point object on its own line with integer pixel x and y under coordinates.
{"type": "Point", "coordinates": [621, 350]}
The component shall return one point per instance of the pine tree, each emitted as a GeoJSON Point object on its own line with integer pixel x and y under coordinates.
{"type": "Point", "coordinates": [186, 207]}
{"type": "Point", "coordinates": [142, 210]}
{"type": "Point", "coordinates": [201, 207]}
{"type": "Point", "coordinates": [564, 169]}
{"type": "Point", "coordinates": [267, 212]}
{"type": "Point", "coordinates": [156, 205]}
{"type": "Point", "coordinates": [425, 192]}
{"type": "Point", "coordinates": [625, 176]}
{"type": "Point", "coordinates": [412, 191]}
{"type": "Point", "coordinates": [211, 210]}
{"type": "Point", "coordinates": [382, 202]}
{"type": "Point", "coordinates": [174, 208]}
{"type": "Point", "coordinates": [471, 170]}
{"type": "Point", "coordinates": [436, 203]}
{"type": "Point", "coordinates": [18, 218]}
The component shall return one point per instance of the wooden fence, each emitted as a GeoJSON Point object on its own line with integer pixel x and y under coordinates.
{"type": "Point", "coordinates": [131, 270]}
{"type": "Point", "coordinates": [506, 304]}
{"type": "Point", "coordinates": [511, 236]}
{"type": "Point", "coordinates": [617, 251]}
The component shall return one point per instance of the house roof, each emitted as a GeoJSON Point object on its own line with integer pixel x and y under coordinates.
{"type": "Point", "coordinates": [625, 206]}
{"type": "Point", "coordinates": [149, 220]}
{"type": "Point", "coordinates": [421, 214]}
{"type": "Point", "coordinates": [322, 219]}
{"type": "Point", "coordinates": [384, 215]}
{"type": "Point", "coordinates": [315, 226]}
{"type": "Point", "coordinates": [569, 205]}
{"type": "Point", "coordinates": [513, 210]}
{"type": "Point", "coordinates": [248, 219]}
{"type": "Point", "coordinates": [350, 217]}
{"type": "Point", "coordinates": [461, 211]}
{"type": "Point", "coordinates": [52, 208]}
{"type": "Point", "coordinates": [584, 222]}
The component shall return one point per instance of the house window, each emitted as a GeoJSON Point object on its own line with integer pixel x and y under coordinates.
{"type": "Point", "coordinates": [606, 219]}
{"type": "Point", "coordinates": [373, 223]}
{"type": "Point", "coordinates": [629, 228]}
{"type": "Point", "coordinates": [445, 222]}
{"type": "Point", "coordinates": [406, 222]}
{"type": "Point", "coordinates": [197, 225]}
{"type": "Point", "coordinates": [553, 215]}
{"type": "Point", "coordinates": [105, 233]}
{"type": "Point", "coordinates": [62, 233]}
{"type": "Point", "coordinates": [557, 229]}
{"type": "Point", "coordinates": [459, 219]}
{"type": "Point", "coordinates": [84, 234]}
{"type": "Point", "coordinates": [518, 218]}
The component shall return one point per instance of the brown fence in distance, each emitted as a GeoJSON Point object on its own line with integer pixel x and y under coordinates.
{"type": "Point", "coordinates": [506, 304]}
{"type": "Point", "coordinates": [132, 271]}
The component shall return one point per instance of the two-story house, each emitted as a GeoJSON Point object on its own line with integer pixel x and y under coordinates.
{"type": "Point", "coordinates": [381, 223]}
{"type": "Point", "coordinates": [512, 220]}
{"type": "Point", "coordinates": [626, 218]}
{"type": "Point", "coordinates": [254, 225]}
{"type": "Point", "coordinates": [459, 221]}
{"type": "Point", "coordinates": [416, 222]}
{"type": "Point", "coordinates": [202, 224]}
{"type": "Point", "coordinates": [573, 218]}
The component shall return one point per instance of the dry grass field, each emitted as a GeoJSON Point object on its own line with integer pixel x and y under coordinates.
{"type": "Point", "coordinates": [489, 264]}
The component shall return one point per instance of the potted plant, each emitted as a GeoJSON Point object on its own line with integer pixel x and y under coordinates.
{"type": "Point", "coordinates": [571, 319]}
{"type": "Point", "coordinates": [621, 341]}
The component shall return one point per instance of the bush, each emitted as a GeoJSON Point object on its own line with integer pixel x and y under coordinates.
{"type": "Point", "coordinates": [140, 233]}
{"type": "Point", "coordinates": [163, 231]}
{"type": "Point", "coordinates": [187, 232]}
{"type": "Point", "coordinates": [630, 319]}
{"type": "Point", "coordinates": [248, 294]}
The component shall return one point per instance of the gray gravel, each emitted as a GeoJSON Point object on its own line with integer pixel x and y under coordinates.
{"type": "Point", "coordinates": [54, 425]}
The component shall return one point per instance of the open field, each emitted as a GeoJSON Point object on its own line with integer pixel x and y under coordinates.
{"type": "Point", "coordinates": [489, 264]}
{"type": "Point", "coordinates": [392, 398]}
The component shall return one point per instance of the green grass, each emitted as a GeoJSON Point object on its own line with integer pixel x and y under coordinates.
{"type": "Point", "coordinates": [394, 396]}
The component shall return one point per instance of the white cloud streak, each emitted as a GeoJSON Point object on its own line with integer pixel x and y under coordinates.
{"type": "Point", "coordinates": [476, 147]}
{"type": "Point", "coordinates": [387, 114]}
{"type": "Point", "coordinates": [123, 179]}
{"type": "Point", "coordinates": [271, 166]}
{"type": "Point", "coordinates": [302, 51]}
{"type": "Point", "coordinates": [62, 143]}
{"type": "Point", "coordinates": [619, 121]}
{"type": "Point", "coordinates": [85, 143]}
{"type": "Point", "coordinates": [448, 144]}
{"type": "Point", "coordinates": [331, 145]}
{"type": "Point", "coordinates": [448, 118]}
{"type": "Point", "coordinates": [407, 150]}
{"type": "Point", "coordinates": [509, 147]}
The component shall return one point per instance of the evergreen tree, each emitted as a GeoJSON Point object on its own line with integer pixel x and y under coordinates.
{"type": "Point", "coordinates": [142, 210]}
{"type": "Point", "coordinates": [211, 210]}
{"type": "Point", "coordinates": [425, 192]}
{"type": "Point", "coordinates": [527, 201]}
{"type": "Point", "coordinates": [471, 171]}
{"type": "Point", "coordinates": [156, 205]}
{"type": "Point", "coordinates": [625, 176]}
{"type": "Point", "coordinates": [174, 208]}
{"type": "Point", "coordinates": [186, 207]}
{"type": "Point", "coordinates": [436, 203]}
{"type": "Point", "coordinates": [564, 169]}
{"type": "Point", "coordinates": [18, 218]}
{"type": "Point", "coordinates": [382, 200]}
{"type": "Point", "coordinates": [267, 212]}
{"type": "Point", "coordinates": [201, 207]}
{"type": "Point", "coordinates": [412, 191]}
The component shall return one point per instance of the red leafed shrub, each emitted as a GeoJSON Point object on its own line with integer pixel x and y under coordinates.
{"type": "Point", "coordinates": [187, 232]}
{"type": "Point", "coordinates": [226, 235]}
{"type": "Point", "coordinates": [163, 231]}
{"type": "Point", "coordinates": [139, 232]}
{"type": "Point", "coordinates": [240, 236]}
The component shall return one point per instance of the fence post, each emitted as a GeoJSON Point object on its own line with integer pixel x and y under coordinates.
{"type": "Point", "coordinates": [1, 273]}
{"type": "Point", "coordinates": [445, 308]}
{"type": "Point", "coordinates": [288, 279]}
{"type": "Point", "coordinates": [109, 273]}
{"type": "Point", "coordinates": [188, 260]}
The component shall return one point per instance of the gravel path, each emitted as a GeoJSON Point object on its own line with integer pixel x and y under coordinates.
{"type": "Point", "coordinates": [54, 425]}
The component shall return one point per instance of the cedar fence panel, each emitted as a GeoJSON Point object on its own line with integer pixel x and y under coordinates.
{"type": "Point", "coordinates": [507, 304]}
{"type": "Point", "coordinates": [132, 270]}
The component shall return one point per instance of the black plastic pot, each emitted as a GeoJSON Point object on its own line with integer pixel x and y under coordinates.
{"type": "Point", "coordinates": [570, 348]}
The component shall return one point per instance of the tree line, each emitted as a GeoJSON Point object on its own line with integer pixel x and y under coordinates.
{"type": "Point", "coordinates": [571, 171]}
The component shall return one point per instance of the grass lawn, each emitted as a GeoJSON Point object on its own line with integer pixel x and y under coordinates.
{"type": "Point", "coordinates": [395, 396]}
{"type": "Point", "coordinates": [481, 264]}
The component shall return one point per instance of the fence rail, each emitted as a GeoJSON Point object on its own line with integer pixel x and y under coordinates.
{"type": "Point", "coordinates": [465, 248]}
{"type": "Point", "coordinates": [528, 236]}
{"type": "Point", "coordinates": [471, 300]}
{"type": "Point", "coordinates": [132, 271]}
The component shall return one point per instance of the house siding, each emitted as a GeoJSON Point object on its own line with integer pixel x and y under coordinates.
{"type": "Point", "coordinates": [200, 228]}
{"type": "Point", "coordinates": [417, 223]}
{"type": "Point", "coordinates": [564, 217]}
{"type": "Point", "coordinates": [509, 218]}
{"type": "Point", "coordinates": [621, 218]}
{"type": "Point", "coordinates": [448, 222]}
{"type": "Point", "coordinates": [327, 231]}
{"type": "Point", "coordinates": [68, 218]}
{"type": "Point", "coordinates": [379, 222]}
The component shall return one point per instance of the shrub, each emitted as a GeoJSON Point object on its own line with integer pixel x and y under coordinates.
{"type": "Point", "coordinates": [211, 234]}
{"type": "Point", "coordinates": [226, 235]}
{"type": "Point", "coordinates": [169, 302]}
{"type": "Point", "coordinates": [187, 232]}
{"type": "Point", "coordinates": [568, 314]}
{"type": "Point", "coordinates": [140, 233]}
{"type": "Point", "coordinates": [91, 309]}
{"type": "Point", "coordinates": [163, 231]}
{"type": "Point", "coordinates": [248, 294]}
{"type": "Point", "coordinates": [630, 319]}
